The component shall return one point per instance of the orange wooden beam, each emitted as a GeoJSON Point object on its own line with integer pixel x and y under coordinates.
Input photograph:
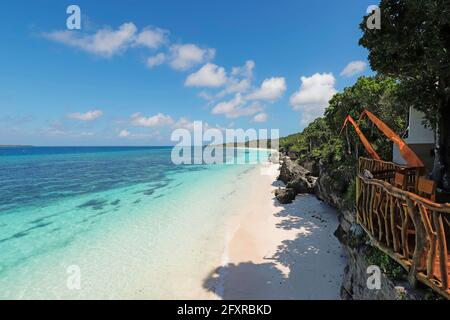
{"type": "Point", "coordinates": [363, 138]}
{"type": "Point", "coordinates": [406, 152]}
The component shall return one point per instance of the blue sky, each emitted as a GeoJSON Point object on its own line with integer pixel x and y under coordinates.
{"type": "Point", "coordinates": [139, 69]}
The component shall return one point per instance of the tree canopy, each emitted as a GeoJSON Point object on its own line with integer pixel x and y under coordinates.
{"type": "Point", "coordinates": [321, 142]}
{"type": "Point", "coordinates": [413, 47]}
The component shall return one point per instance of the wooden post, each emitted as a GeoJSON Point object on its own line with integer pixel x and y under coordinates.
{"type": "Point", "coordinates": [393, 226]}
{"type": "Point", "coordinates": [419, 260]}
{"type": "Point", "coordinates": [432, 236]}
{"type": "Point", "coordinates": [386, 220]}
{"type": "Point", "coordinates": [443, 256]}
{"type": "Point", "coordinates": [358, 195]}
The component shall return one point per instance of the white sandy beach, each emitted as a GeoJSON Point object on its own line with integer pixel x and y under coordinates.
{"type": "Point", "coordinates": [279, 251]}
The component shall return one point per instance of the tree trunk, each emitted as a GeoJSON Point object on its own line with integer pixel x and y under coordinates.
{"type": "Point", "coordinates": [349, 147]}
{"type": "Point", "coordinates": [441, 170]}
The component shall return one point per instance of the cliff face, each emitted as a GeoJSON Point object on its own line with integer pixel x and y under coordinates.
{"type": "Point", "coordinates": [360, 253]}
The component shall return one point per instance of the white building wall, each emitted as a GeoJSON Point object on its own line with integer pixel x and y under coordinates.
{"type": "Point", "coordinates": [417, 134]}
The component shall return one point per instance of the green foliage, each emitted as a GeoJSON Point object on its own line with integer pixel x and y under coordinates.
{"type": "Point", "coordinates": [337, 153]}
{"type": "Point", "coordinates": [413, 47]}
{"type": "Point", "coordinates": [378, 95]}
{"type": "Point", "coordinates": [350, 194]}
{"type": "Point", "coordinates": [387, 265]}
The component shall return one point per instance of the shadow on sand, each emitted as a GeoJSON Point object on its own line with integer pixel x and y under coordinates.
{"type": "Point", "coordinates": [308, 267]}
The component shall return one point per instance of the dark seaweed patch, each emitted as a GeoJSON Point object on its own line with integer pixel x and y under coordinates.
{"type": "Point", "coordinates": [25, 232]}
{"type": "Point", "coordinates": [15, 236]}
{"type": "Point", "coordinates": [40, 225]}
{"type": "Point", "coordinates": [115, 202]}
{"type": "Point", "coordinates": [148, 192]}
{"type": "Point", "coordinates": [95, 204]}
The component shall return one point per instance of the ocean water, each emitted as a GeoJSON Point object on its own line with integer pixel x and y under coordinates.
{"type": "Point", "coordinates": [85, 222]}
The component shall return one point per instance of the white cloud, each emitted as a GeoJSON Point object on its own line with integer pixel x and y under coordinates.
{"type": "Point", "coordinates": [271, 89]}
{"type": "Point", "coordinates": [245, 111]}
{"type": "Point", "coordinates": [205, 95]}
{"type": "Point", "coordinates": [236, 108]}
{"type": "Point", "coordinates": [313, 96]}
{"type": "Point", "coordinates": [108, 42]}
{"type": "Point", "coordinates": [239, 81]}
{"type": "Point", "coordinates": [260, 117]}
{"type": "Point", "coordinates": [124, 134]}
{"type": "Point", "coordinates": [184, 123]}
{"type": "Point", "coordinates": [246, 71]}
{"type": "Point", "coordinates": [87, 116]}
{"type": "Point", "coordinates": [353, 68]}
{"type": "Point", "coordinates": [210, 75]}
{"type": "Point", "coordinates": [157, 120]}
{"type": "Point", "coordinates": [156, 60]}
{"type": "Point", "coordinates": [152, 38]}
{"type": "Point", "coordinates": [105, 42]}
{"type": "Point", "coordinates": [186, 56]}
{"type": "Point", "coordinates": [228, 106]}
{"type": "Point", "coordinates": [240, 86]}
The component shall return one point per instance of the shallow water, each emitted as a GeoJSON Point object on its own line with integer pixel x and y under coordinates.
{"type": "Point", "coordinates": [131, 222]}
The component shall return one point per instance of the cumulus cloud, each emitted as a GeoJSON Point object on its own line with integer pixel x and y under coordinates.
{"type": "Point", "coordinates": [87, 116]}
{"type": "Point", "coordinates": [239, 80]}
{"type": "Point", "coordinates": [271, 89]}
{"type": "Point", "coordinates": [313, 96]}
{"type": "Point", "coordinates": [184, 123]}
{"type": "Point", "coordinates": [260, 117]}
{"type": "Point", "coordinates": [124, 134]}
{"type": "Point", "coordinates": [108, 42]}
{"type": "Point", "coordinates": [237, 107]}
{"type": "Point", "coordinates": [186, 56]}
{"type": "Point", "coordinates": [157, 120]}
{"type": "Point", "coordinates": [245, 71]}
{"type": "Point", "coordinates": [156, 60]}
{"type": "Point", "coordinates": [210, 75]}
{"type": "Point", "coordinates": [226, 107]}
{"type": "Point", "coordinates": [245, 111]}
{"type": "Point", "coordinates": [353, 68]}
{"type": "Point", "coordinates": [105, 42]}
{"type": "Point", "coordinates": [152, 38]}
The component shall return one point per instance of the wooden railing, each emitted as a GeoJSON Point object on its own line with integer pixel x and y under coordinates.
{"type": "Point", "coordinates": [385, 170]}
{"type": "Point", "coordinates": [412, 230]}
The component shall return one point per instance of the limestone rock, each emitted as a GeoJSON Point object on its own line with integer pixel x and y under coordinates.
{"type": "Point", "coordinates": [285, 196]}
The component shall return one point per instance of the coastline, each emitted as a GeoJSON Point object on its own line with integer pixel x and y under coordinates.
{"type": "Point", "coordinates": [211, 232]}
{"type": "Point", "coordinates": [279, 251]}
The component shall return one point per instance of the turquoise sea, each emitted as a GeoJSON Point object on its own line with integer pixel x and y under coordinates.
{"type": "Point", "coordinates": [125, 220]}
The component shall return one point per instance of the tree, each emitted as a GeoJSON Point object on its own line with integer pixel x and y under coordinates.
{"type": "Point", "coordinates": [377, 94]}
{"type": "Point", "coordinates": [413, 46]}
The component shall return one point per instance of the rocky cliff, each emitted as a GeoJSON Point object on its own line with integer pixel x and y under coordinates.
{"type": "Point", "coordinates": [360, 253]}
{"type": "Point", "coordinates": [296, 178]}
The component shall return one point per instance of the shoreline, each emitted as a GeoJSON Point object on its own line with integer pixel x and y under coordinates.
{"type": "Point", "coordinates": [217, 234]}
{"type": "Point", "coordinates": [278, 251]}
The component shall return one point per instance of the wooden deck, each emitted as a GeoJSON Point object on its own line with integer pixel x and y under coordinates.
{"type": "Point", "coordinates": [411, 229]}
